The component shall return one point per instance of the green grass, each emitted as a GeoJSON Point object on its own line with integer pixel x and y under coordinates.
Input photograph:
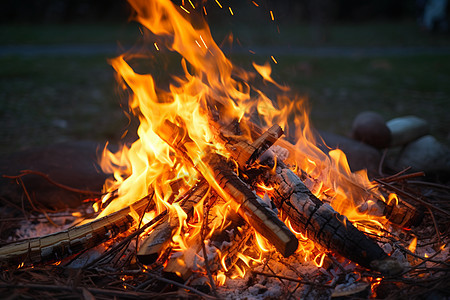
{"type": "Point", "coordinates": [46, 99]}
{"type": "Point", "coordinates": [250, 33]}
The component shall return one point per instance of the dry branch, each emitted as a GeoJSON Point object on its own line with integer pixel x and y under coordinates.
{"type": "Point", "coordinates": [65, 243]}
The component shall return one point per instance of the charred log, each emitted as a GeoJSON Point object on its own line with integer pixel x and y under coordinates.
{"type": "Point", "coordinates": [323, 224]}
{"type": "Point", "coordinates": [229, 186]}
{"type": "Point", "coordinates": [159, 239]}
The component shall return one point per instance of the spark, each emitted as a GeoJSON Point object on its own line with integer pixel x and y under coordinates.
{"type": "Point", "coordinates": [185, 9]}
{"type": "Point", "coordinates": [198, 44]}
{"type": "Point", "coordinates": [156, 46]}
{"type": "Point", "coordinates": [271, 15]}
{"type": "Point", "coordinates": [218, 3]}
{"type": "Point", "coordinates": [231, 11]}
{"type": "Point", "coordinates": [192, 4]}
{"type": "Point", "coordinates": [204, 10]}
{"type": "Point", "coordinates": [251, 51]}
{"type": "Point", "coordinates": [256, 4]}
{"type": "Point", "coordinates": [273, 58]}
{"type": "Point", "coordinates": [201, 38]}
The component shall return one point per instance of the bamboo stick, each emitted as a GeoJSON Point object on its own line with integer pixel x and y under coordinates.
{"type": "Point", "coordinates": [65, 243]}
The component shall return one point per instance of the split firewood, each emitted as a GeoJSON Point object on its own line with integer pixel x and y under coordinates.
{"type": "Point", "coordinates": [245, 153]}
{"type": "Point", "coordinates": [181, 267]}
{"type": "Point", "coordinates": [57, 246]}
{"type": "Point", "coordinates": [229, 252]}
{"type": "Point", "coordinates": [229, 186]}
{"type": "Point", "coordinates": [161, 236]}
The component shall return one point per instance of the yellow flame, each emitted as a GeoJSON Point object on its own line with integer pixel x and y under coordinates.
{"type": "Point", "coordinates": [412, 246]}
{"type": "Point", "coordinates": [209, 84]}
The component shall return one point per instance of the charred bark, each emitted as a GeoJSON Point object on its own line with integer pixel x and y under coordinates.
{"type": "Point", "coordinates": [229, 186]}
{"type": "Point", "coordinates": [160, 237]}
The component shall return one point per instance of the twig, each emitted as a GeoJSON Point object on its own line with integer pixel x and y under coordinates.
{"type": "Point", "coordinates": [180, 285]}
{"type": "Point", "coordinates": [396, 174]}
{"type": "Point", "coordinates": [292, 279]}
{"type": "Point", "coordinates": [432, 184]}
{"type": "Point", "coordinates": [406, 176]}
{"type": "Point", "coordinates": [47, 177]}
{"type": "Point", "coordinates": [114, 293]}
{"type": "Point", "coordinates": [140, 221]}
{"type": "Point", "coordinates": [205, 255]}
{"type": "Point", "coordinates": [435, 225]}
{"type": "Point", "coordinates": [127, 239]}
{"type": "Point", "coordinates": [26, 193]}
{"type": "Point", "coordinates": [405, 194]}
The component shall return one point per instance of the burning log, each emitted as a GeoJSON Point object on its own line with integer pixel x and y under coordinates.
{"type": "Point", "coordinates": [63, 244]}
{"type": "Point", "coordinates": [324, 225]}
{"type": "Point", "coordinates": [160, 238]}
{"type": "Point", "coordinates": [229, 186]}
{"type": "Point", "coordinates": [245, 153]}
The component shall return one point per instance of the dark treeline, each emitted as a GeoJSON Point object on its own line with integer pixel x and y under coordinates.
{"type": "Point", "coordinates": [68, 11]}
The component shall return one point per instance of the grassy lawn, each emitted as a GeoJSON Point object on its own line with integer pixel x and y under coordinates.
{"type": "Point", "coordinates": [45, 99]}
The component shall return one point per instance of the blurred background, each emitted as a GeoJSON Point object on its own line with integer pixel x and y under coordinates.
{"type": "Point", "coordinates": [344, 56]}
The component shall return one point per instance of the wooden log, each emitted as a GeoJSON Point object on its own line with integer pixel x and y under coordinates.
{"type": "Point", "coordinates": [253, 209]}
{"type": "Point", "coordinates": [159, 239]}
{"type": "Point", "coordinates": [180, 268]}
{"type": "Point", "coordinates": [229, 186]}
{"type": "Point", "coordinates": [57, 246]}
{"type": "Point", "coordinates": [398, 214]}
{"type": "Point", "coordinates": [229, 252]}
{"type": "Point", "coordinates": [245, 153]}
{"type": "Point", "coordinates": [324, 225]}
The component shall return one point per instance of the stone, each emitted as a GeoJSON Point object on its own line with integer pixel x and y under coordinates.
{"type": "Point", "coordinates": [369, 127]}
{"type": "Point", "coordinates": [425, 154]}
{"type": "Point", "coordinates": [406, 129]}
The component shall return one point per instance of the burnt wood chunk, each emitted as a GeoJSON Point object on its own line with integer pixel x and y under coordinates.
{"type": "Point", "coordinates": [229, 186]}
{"type": "Point", "coordinates": [245, 154]}
{"type": "Point", "coordinates": [161, 236]}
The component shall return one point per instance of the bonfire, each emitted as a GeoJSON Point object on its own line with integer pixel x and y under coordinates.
{"type": "Point", "coordinates": [225, 194]}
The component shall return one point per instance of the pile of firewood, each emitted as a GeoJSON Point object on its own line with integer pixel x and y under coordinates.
{"type": "Point", "coordinates": [256, 163]}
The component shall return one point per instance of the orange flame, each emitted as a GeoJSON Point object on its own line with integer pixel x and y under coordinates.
{"type": "Point", "coordinates": [210, 84]}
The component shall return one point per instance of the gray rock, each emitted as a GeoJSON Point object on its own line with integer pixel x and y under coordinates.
{"type": "Point", "coordinates": [425, 154]}
{"type": "Point", "coordinates": [369, 127]}
{"type": "Point", "coordinates": [406, 129]}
